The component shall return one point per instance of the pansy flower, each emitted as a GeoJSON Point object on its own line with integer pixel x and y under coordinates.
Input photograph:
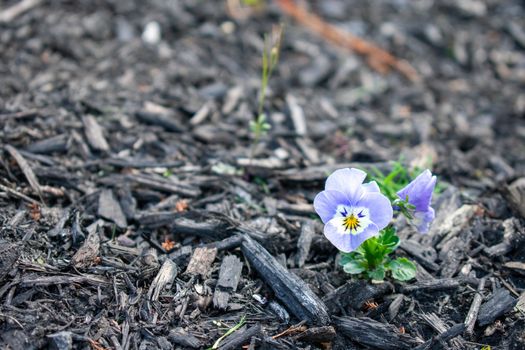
{"type": "Point", "coordinates": [351, 211]}
{"type": "Point", "coordinates": [419, 194]}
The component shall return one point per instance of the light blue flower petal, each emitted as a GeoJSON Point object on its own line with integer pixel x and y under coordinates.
{"type": "Point", "coordinates": [419, 191]}
{"type": "Point", "coordinates": [348, 181]}
{"type": "Point", "coordinates": [422, 220]}
{"type": "Point", "coordinates": [371, 187]}
{"type": "Point", "coordinates": [347, 242]}
{"type": "Point", "coordinates": [326, 202]}
{"type": "Point", "coordinates": [379, 207]}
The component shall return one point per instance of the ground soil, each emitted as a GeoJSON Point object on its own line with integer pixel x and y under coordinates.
{"type": "Point", "coordinates": [129, 175]}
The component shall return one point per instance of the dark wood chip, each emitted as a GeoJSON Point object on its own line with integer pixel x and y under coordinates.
{"type": "Point", "coordinates": [26, 169]}
{"type": "Point", "coordinates": [88, 253]}
{"type": "Point", "coordinates": [500, 303]}
{"type": "Point", "coordinates": [355, 293]}
{"type": "Point", "coordinates": [109, 208]}
{"type": "Point", "coordinates": [181, 337]}
{"type": "Point", "coordinates": [375, 334]}
{"type": "Point", "coordinates": [9, 254]}
{"type": "Point", "coordinates": [317, 335]}
{"type": "Point", "coordinates": [288, 288]}
{"type": "Point", "coordinates": [240, 337]}
{"type": "Point", "coordinates": [229, 276]}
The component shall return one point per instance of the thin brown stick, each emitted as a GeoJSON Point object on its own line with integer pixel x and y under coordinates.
{"type": "Point", "coordinates": [472, 315]}
{"type": "Point", "coordinates": [377, 58]}
{"type": "Point", "coordinates": [26, 169]}
{"type": "Point", "coordinates": [14, 193]}
{"type": "Point", "coordinates": [300, 327]}
{"type": "Point", "coordinates": [17, 9]}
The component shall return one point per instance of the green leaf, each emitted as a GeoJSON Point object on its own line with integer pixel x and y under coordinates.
{"type": "Point", "coordinates": [346, 258]}
{"type": "Point", "coordinates": [388, 238]}
{"type": "Point", "coordinates": [378, 274]}
{"type": "Point", "coordinates": [402, 269]}
{"type": "Point", "coordinates": [355, 267]}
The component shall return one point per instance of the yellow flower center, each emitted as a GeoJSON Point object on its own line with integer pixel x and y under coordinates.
{"type": "Point", "coordinates": [351, 222]}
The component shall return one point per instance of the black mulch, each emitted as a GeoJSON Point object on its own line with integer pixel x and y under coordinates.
{"type": "Point", "coordinates": [132, 216]}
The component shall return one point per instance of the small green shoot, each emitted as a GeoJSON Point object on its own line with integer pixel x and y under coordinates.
{"type": "Point", "coordinates": [253, 3]}
{"type": "Point", "coordinates": [228, 332]}
{"type": "Point", "coordinates": [113, 233]}
{"type": "Point", "coordinates": [259, 127]}
{"type": "Point", "coordinates": [263, 184]}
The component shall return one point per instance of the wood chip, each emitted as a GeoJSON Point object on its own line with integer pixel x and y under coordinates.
{"type": "Point", "coordinates": [500, 303]}
{"type": "Point", "coordinates": [229, 276]}
{"type": "Point", "coordinates": [181, 337]}
{"type": "Point", "coordinates": [513, 237]}
{"type": "Point", "coordinates": [94, 134]}
{"type": "Point", "coordinates": [304, 242]}
{"type": "Point", "coordinates": [375, 334]}
{"type": "Point", "coordinates": [297, 115]}
{"type": "Point", "coordinates": [516, 195]}
{"type": "Point", "coordinates": [290, 289]}
{"type": "Point", "coordinates": [32, 280]}
{"type": "Point", "coordinates": [17, 9]}
{"type": "Point", "coordinates": [317, 335]}
{"type": "Point", "coordinates": [355, 294]}
{"type": "Point", "coordinates": [162, 184]}
{"type": "Point", "coordinates": [424, 255]}
{"type": "Point", "coordinates": [455, 223]}
{"type": "Point", "coordinates": [472, 315]}
{"type": "Point", "coordinates": [9, 253]}
{"type": "Point", "coordinates": [26, 169]}
{"type": "Point", "coordinates": [437, 284]}
{"type": "Point", "coordinates": [109, 208]}
{"type": "Point", "coordinates": [88, 253]}
{"type": "Point", "coordinates": [240, 337]}
{"type": "Point", "coordinates": [163, 280]}
{"type": "Point", "coordinates": [201, 260]}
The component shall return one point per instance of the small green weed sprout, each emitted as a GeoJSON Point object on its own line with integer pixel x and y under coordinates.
{"type": "Point", "coordinates": [230, 331]}
{"type": "Point", "coordinates": [272, 47]}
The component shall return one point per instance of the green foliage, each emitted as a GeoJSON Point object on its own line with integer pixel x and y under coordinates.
{"type": "Point", "coordinates": [228, 332]}
{"type": "Point", "coordinates": [396, 179]}
{"type": "Point", "coordinates": [402, 269]}
{"type": "Point", "coordinates": [263, 184]}
{"type": "Point", "coordinates": [259, 127]}
{"type": "Point", "coordinates": [372, 259]}
{"type": "Point", "coordinates": [253, 3]}
{"type": "Point", "coordinates": [270, 58]}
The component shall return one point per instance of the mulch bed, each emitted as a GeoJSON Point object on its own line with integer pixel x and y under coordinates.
{"type": "Point", "coordinates": [133, 217]}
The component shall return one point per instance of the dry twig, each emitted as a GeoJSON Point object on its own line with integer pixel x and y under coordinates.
{"type": "Point", "coordinates": [377, 58]}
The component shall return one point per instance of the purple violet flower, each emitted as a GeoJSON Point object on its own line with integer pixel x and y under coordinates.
{"type": "Point", "coordinates": [351, 211]}
{"type": "Point", "coordinates": [419, 194]}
